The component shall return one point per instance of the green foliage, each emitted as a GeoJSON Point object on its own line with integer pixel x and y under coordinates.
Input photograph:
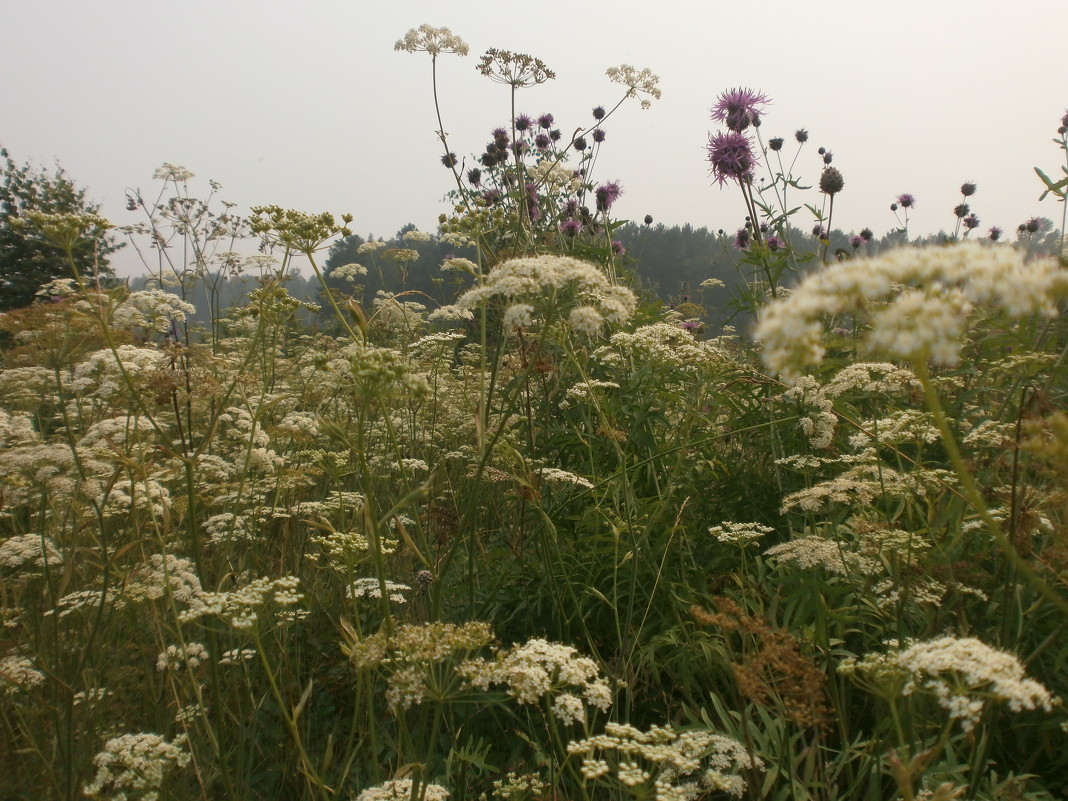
{"type": "Point", "coordinates": [26, 260]}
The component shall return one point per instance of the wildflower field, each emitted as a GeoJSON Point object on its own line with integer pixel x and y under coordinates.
{"type": "Point", "coordinates": [533, 534]}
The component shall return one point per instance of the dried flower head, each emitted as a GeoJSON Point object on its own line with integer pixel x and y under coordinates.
{"type": "Point", "coordinates": [831, 181]}
{"type": "Point", "coordinates": [517, 70]}
{"type": "Point", "coordinates": [638, 82]}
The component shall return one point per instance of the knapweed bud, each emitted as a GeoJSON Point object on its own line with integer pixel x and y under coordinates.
{"type": "Point", "coordinates": [968, 189]}
{"type": "Point", "coordinates": [801, 135]}
{"type": "Point", "coordinates": [831, 181]}
{"type": "Point", "coordinates": [776, 143]}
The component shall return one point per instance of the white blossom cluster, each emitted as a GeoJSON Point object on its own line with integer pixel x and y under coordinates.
{"type": "Point", "coordinates": [869, 380]}
{"type": "Point", "coordinates": [961, 673]}
{"type": "Point", "coordinates": [409, 653]}
{"type": "Point", "coordinates": [107, 374]}
{"type": "Point", "coordinates": [153, 309]}
{"type": "Point", "coordinates": [554, 475]}
{"type": "Point", "coordinates": [739, 533]}
{"type": "Point", "coordinates": [349, 272]}
{"type": "Point", "coordinates": [244, 606]}
{"type": "Point", "coordinates": [176, 657]}
{"type": "Point", "coordinates": [814, 551]}
{"type": "Point", "coordinates": [372, 588]}
{"type": "Point", "coordinates": [638, 82]}
{"type": "Point", "coordinates": [676, 766]}
{"type": "Point", "coordinates": [18, 673]}
{"type": "Point", "coordinates": [401, 790]}
{"type": "Point", "coordinates": [16, 429]}
{"type": "Point", "coordinates": [538, 669]}
{"type": "Point", "coordinates": [660, 345]}
{"type": "Point", "coordinates": [133, 766]}
{"type": "Point", "coordinates": [922, 298]}
{"type": "Point", "coordinates": [537, 283]}
{"type": "Point", "coordinates": [29, 549]}
{"type": "Point", "coordinates": [435, 41]}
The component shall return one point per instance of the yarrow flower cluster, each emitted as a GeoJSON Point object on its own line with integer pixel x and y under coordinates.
{"type": "Point", "coordinates": [638, 82]}
{"type": "Point", "coordinates": [401, 790]}
{"type": "Point", "coordinates": [409, 654]}
{"type": "Point", "coordinates": [922, 297]}
{"type": "Point", "coordinates": [739, 533]}
{"type": "Point", "coordinates": [434, 41]}
{"type": "Point", "coordinates": [961, 673]}
{"type": "Point", "coordinates": [549, 280]}
{"type": "Point", "coordinates": [664, 763]}
{"type": "Point", "coordinates": [135, 765]}
{"type": "Point", "coordinates": [540, 669]}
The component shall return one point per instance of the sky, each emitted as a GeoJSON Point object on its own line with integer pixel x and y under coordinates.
{"type": "Point", "coordinates": [308, 106]}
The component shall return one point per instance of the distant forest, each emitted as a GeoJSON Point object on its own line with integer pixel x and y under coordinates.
{"type": "Point", "coordinates": [667, 266]}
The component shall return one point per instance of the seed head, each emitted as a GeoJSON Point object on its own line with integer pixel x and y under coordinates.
{"type": "Point", "coordinates": [831, 181]}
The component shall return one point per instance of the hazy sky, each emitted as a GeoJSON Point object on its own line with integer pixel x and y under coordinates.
{"type": "Point", "coordinates": [308, 106]}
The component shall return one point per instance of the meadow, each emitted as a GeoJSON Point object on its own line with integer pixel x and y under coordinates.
{"type": "Point", "coordinates": [541, 536]}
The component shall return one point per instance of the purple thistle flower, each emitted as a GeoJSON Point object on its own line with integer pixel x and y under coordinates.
{"type": "Point", "coordinates": [1033, 225]}
{"type": "Point", "coordinates": [968, 188]}
{"type": "Point", "coordinates": [617, 248]}
{"type": "Point", "coordinates": [542, 142]}
{"type": "Point", "coordinates": [571, 228]}
{"type": "Point", "coordinates": [492, 196]}
{"type": "Point", "coordinates": [450, 160]}
{"type": "Point", "coordinates": [579, 144]}
{"type": "Point", "coordinates": [545, 121]}
{"type": "Point", "coordinates": [731, 156]}
{"type": "Point", "coordinates": [554, 134]}
{"type": "Point", "coordinates": [962, 210]}
{"type": "Point", "coordinates": [532, 202]}
{"type": "Point", "coordinates": [738, 108]}
{"type": "Point", "coordinates": [598, 135]}
{"type": "Point", "coordinates": [801, 135]}
{"type": "Point", "coordinates": [598, 113]}
{"type": "Point", "coordinates": [775, 243]}
{"type": "Point", "coordinates": [856, 241]}
{"type": "Point", "coordinates": [995, 234]}
{"type": "Point", "coordinates": [522, 122]}
{"type": "Point", "coordinates": [866, 234]}
{"type": "Point", "coordinates": [501, 138]}
{"type": "Point", "coordinates": [741, 239]}
{"type": "Point", "coordinates": [906, 201]}
{"type": "Point", "coordinates": [971, 222]}
{"type": "Point", "coordinates": [819, 231]}
{"type": "Point", "coordinates": [607, 194]}
{"type": "Point", "coordinates": [474, 177]}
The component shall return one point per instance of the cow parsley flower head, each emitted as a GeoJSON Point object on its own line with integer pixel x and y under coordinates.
{"type": "Point", "coordinates": [401, 790]}
{"type": "Point", "coordinates": [432, 40]}
{"type": "Point", "coordinates": [917, 302]}
{"type": "Point", "coordinates": [638, 82]}
{"type": "Point", "coordinates": [962, 673]}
